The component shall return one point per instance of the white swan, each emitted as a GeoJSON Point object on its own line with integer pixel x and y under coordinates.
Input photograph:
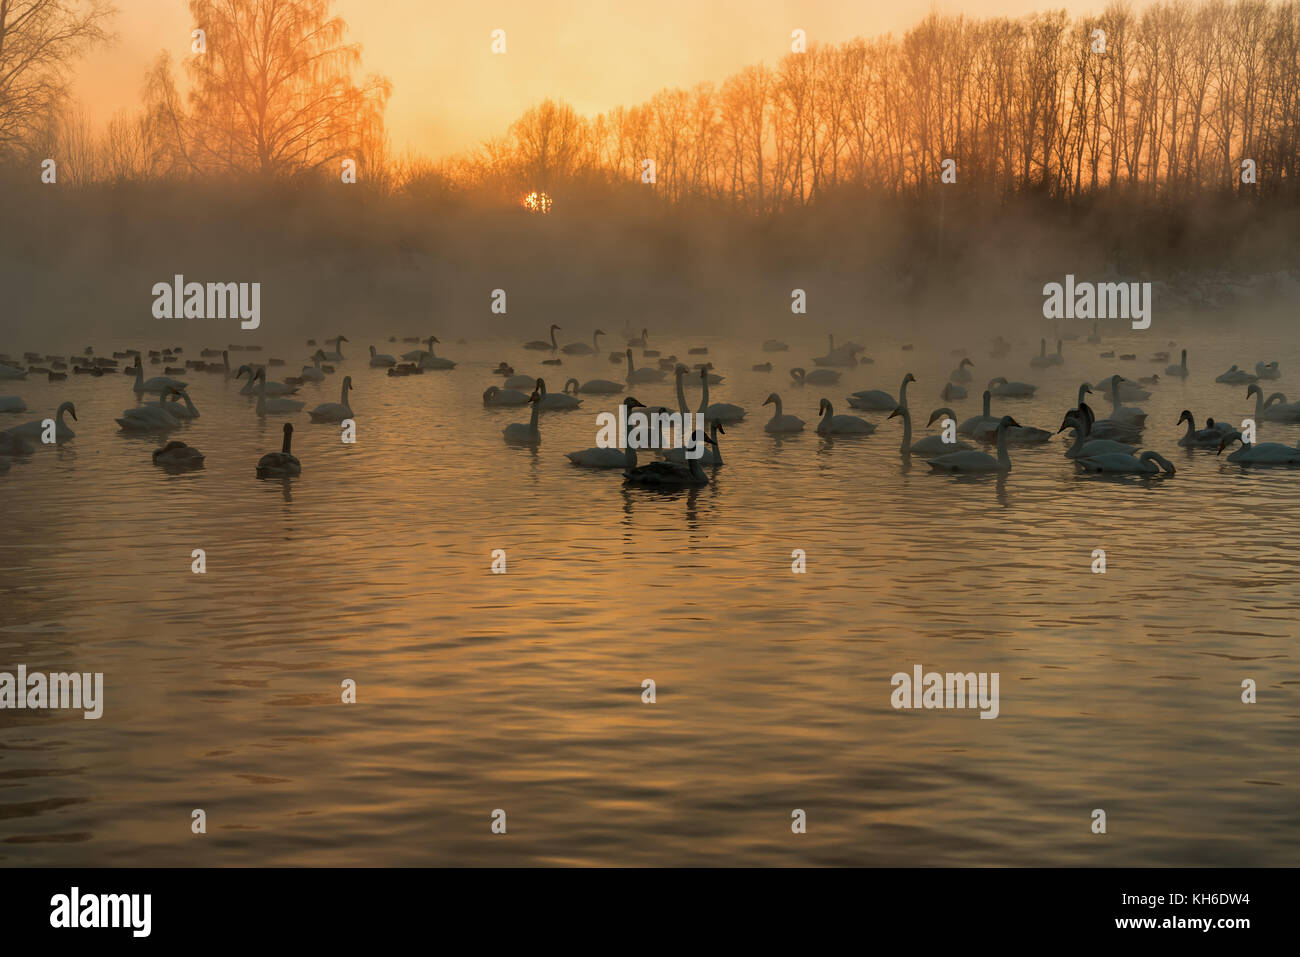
{"type": "Point", "coordinates": [159, 384]}
{"type": "Point", "coordinates": [276, 405]}
{"type": "Point", "coordinates": [816, 377]}
{"type": "Point", "coordinates": [582, 349]}
{"type": "Point", "coordinates": [931, 444]}
{"type": "Point", "coordinates": [12, 372]}
{"type": "Point", "coordinates": [1206, 438]}
{"type": "Point", "coordinates": [519, 433]}
{"type": "Point", "coordinates": [282, 464]}
{"type": "Point", "coordinates": [640, 341]}
{"type": "Point", "coordinates": [1011, 390]}
{"type": "Point", "coordinates": [1235, 376]}
{"type": "Point", "coordinates": [1127, 415]}
{"type": "Point", "coordinates": [1016, 434]}
{"type": "Point", "coordinates": [1179, 370]}
{"type": "Point", "coordinates": [314, 373]}
{"type": "Point", "coordinates": [178, 455]}
{"type": "Point", "coordinates": [335, 354]}
{"type": "Point", "coordinates": [1266, 453]}
{"type": "Point", "coordinates": [718, 411]}
{"type": "Point", "coordinates": [1108, 428]}
{"type": "Point", "coordinates": [952, 393]}
{"type": "Point", "coordinates": [33, 430]}
{"type": "Point", "coordinates": [635, 376]}
{"type": "Point", "coordinates": [504, 398]}
{"type": "Point", "coordinates": [1148, 463]}
{"type": "Point", "coordinates": [1042, 360]}
{"type": "Point", "coordinates": [1267, 370]}
{"type": "Point", "coordinates": [557, 401]}
{"type": "Point", "coordinates": [541, 345]}
{"type": "Point", "coordinates": [973, 461]}
{"type": "Point", "coordinates": [843, 356]}
{"type": "Point", "coordinates": [12, 403]}
{"type": "Point", "coordinates": [151, 417]}
{"type": "Point", "coordinates": [610, 458]}
{"type": "Point", "coordinates": [969, 426]}
{"type": "Point", "coordinates": [878, 400]}
{"type": "Point", "coordinates": [780, 422]}
{"type": "Point", "coordinates": [598, 387]}
{"type": "Point", "coordinates": [1272, 412]}
{"type": "Point", "coordinates": [429, 361]}
{"type": "Point", "coordinates": [188, 411]}
{"type": "Point", "coordinates": [1084, 447]}
{"type": "Point", "coordinates": [832, 424]}
{"type": "Point", "coordinates": [1059, 358]}
{"type": "Point", "coordinates": [379, 360]}
{"type": "Point", "coordinates": [710, 456]}
{"type": "Point", "coordinates": [959, 375]}
{"type": "Point", "coordinates": [334, 411]}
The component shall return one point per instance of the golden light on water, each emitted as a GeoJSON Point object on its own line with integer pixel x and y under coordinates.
{"type": "Point", "coordinates": [537, 202]}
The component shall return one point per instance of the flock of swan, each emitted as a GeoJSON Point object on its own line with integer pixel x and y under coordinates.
{"type": "Point", "coordinates": [1112, 444]}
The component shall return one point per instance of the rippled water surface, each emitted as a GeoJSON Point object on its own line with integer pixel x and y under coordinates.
{"type": "Point", "coordinates": [522, 691]}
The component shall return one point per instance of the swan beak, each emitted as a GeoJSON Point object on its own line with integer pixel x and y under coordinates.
{"type": "Point", "coordinates": [896, 412]}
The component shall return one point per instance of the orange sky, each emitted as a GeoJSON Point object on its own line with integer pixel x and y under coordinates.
{"type": "Point", "coordinates": [450, 92]}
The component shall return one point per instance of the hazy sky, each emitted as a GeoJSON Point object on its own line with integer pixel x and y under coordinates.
{"type": "Point", "coordinates": [450, 92]}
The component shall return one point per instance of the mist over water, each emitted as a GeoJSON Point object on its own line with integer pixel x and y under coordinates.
{"type": "Point", "coordinates": [523, 691]}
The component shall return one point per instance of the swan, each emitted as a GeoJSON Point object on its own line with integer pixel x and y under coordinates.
{"type": "Point", "coordinates": [380, 360]}
{"type": "Point", "coordinates": [1108, 428]}
{"type": "Point", "coordinates": [670, 474]}
{"type": "Point", "coordinates": [1095, 337]}
{"type": "Point", "coordinates": [597, 387]}
{"type": "Point", "coordinates": [1011, 390]}
{"type": "Point", "coordinates": [816, 377]}
{"type": "Point", "coordinates": [1042, 360]}
{"type": "Point", "coordinates": [973, 461]}
{"type": "Point", "coordinates": [33, 430]}
{"type": "Point", "coordinates": [159, 384]}
{"type": "Point", "coordinates": [276, 405]}
{"type": "Point", "coordinates": [780, 422]}
{"type": "Point", "coordinates": [775, 345]}
{"type": "Point", "coordinates": [931, 444]}
{"type": "Point", "coordinates": [640, 341]}
{"type": "Point", "coordinates": [333, 411]}
{"type": "Point", "coordinates": [1059, 358]}
{"type": "Point", "coordinates": [280, 464]}
{"type": "Point", "coordinates": [1206, 438]}
{"type": "Point", "coordinates": [1179, 370]}
{"type": "Point", "coordinates": [582, 349]}
{"type": "Point", "coordinates": [710, 456]}
{"type": "Point", "coordinates": [173, 406]}
{"type": "Point", "coordinates": [704, 367]}
{"type": "Point", "coordinates": [724, 412]}
{"type": "Point", "coordinates": [877, 400]}
{"type": "Point", "coordinates": [429, 361]}
{"type": "Point", "coordinates": [336, 355]}
{"type": "Point", "coordinates": [1278, 405]}
{"type": "Point", "coordinates": [494, 396]}
{"type": "Point", "coordinates": [1235, 376]}
{"type": "Point", "coordinates": [970, 425]}
{"type": "Point", "coordinates": [314, 373]}
{"type": "Point", "coordinates": [178, 455]}
{"type": "Point", "coordinates": [832, 424]}
{"type": "Point", "coordinates": [541, 345]}
{"type": "Point", "coordinates": [12, 403]}
{"type": "Point", "coordinates": [959, 375]}
{"type": "Point", "coordinates": [1084, 447]}
{"type": "Point", "coordinates": [1148, 463]}
{"type": "Point", "coordinates": [557, 401]}
{"type": "Point", "coordinates": [1279, 412]}
{"type": "Point", "coordinates": [1266, 453]}
{"type": "Point", "coordinates": [12, 372]}
{"type": "Point", "coordinates": [1267, 370]}
{"type": "Point", "coordinates": [610, 458]}
{"type": "Point", "coordinates": [519, 433]}
{"type": "Point", "coordinates": [843, 356]}
{"type": "Point", "coordinates": [150, 417]}
{"type": "Point", "coordinates": [415, 355]}
{"type": "Point", "coordinates": [762, 367]}
{"type": "Point", "coordinates": [635, 376]}
{"type": "Point", "coordinates": [1124, 414]}
{"type": "Point", "coordinates": [11, 444]}
{"type": "Point", "coordinates": [1016, 434]}
{"type": "Point", "coordinates": [223, 368]}
{"type": "Point", "coordinates": [952, 393]}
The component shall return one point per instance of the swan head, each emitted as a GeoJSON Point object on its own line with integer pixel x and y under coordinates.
{"type": "Point", "coordinates": [1000, 380]}
{"type": "Point", "coordinates": [935, 415]}
{"type": "Point", "coordinates": [680, 369]}
{"type": "Point", "coordinates": [372, 350]}
{"type": "Point", "coordinates": [1069, 422]}
{"type": "Point", "coordinates": [72, 409]}
{"type": "Point", "coordinates": [599, 332]}
{"type": "Point", "coordinates": [704, 370]}
{"type": "Point", "coordinates": [1228, 440]}
{"type": "Point", "coordinates": [908, 378]}
{"type": "Point", "coordinates": [1007, 422]}
{"type": "Point", "coordinates": [716, 426]}
{"type": "Point", "coordinates": [899, 411]}
{"type": "Point", "coordinates": [555, 327]}
{"type": "Point", "coordinates": [797, 374]}
{"type": "Point", "coordinates": [534, 397]}
{"type": "Point", "coordinates": [823, 406]}
{"type": "Point", "coordinates": [1253, 389]}
{"type": "Point", "coordinates": [347, 382]}
{"type": "Point", "coordinates": [341, 339]}
{"type": "Point", "coordinates": [489, 392]}
{"type": "Point", "coordinates": [1185, 416]}
{"type": "Point", "coordinates": [261, 373]}
{"type": "Point", "coordinates": [629, 353]}
{"type": "Point", "coordinates": [773, 397]}
{"type": "Point", "coordinates": [245, 368]}
{"type": "Point", "coordinates": [633, 403]}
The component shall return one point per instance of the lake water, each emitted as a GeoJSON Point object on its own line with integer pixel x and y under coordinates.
{"type": "Point", "coordinates": [523, 691]}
